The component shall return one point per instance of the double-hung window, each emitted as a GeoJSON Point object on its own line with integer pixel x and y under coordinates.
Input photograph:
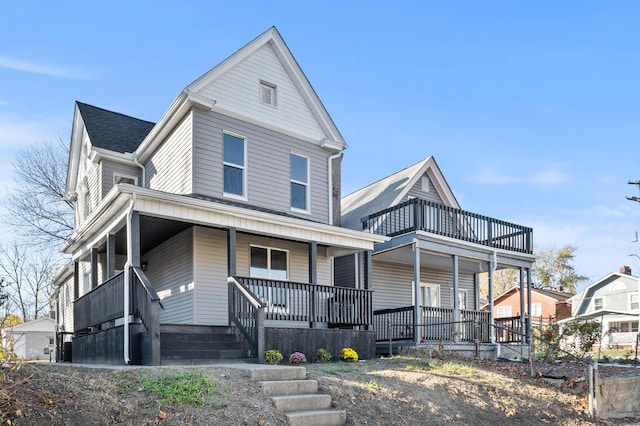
{"type": "Point", "coordinates": [272, 264]}
{"type": "Point", "coordinates": [503, 311]}
{"type": "Point", "coordinates": [429, 295]}
{"type": "Point", "coordinates": [234, 164]}
{"type": "Point", "coordinates": [536, 309]}
{"type": "Point", "coordinates": [299, 182]}
{"type": "Point", "coordinates": [633, 302]}
{"type": "Point", "coordinates": [598, 304]}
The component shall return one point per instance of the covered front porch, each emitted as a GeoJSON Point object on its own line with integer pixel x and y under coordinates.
{"type": "Point", "coordinates": [427, 276]}
{"type": "Point", "coordinates": [159, 284]}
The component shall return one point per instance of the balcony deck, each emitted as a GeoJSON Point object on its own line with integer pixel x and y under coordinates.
{"type": "Point", "coordinates": [423, 215]}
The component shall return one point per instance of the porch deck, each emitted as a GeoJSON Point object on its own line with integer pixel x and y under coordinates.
{"type": "Point", "coordinates": [443, 325]}
{"type": "Point", "coordinates": [422, 215]}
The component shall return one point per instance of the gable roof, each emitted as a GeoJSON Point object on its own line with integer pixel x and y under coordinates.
{"type": "Point", "coordinates": [112, 130]}
{"type": "Point", "coordinates": [392, 189]}
{"type": "Point", "coordinates": [557, 296]}
{"type": "Point", "coordinates": [583, 298]}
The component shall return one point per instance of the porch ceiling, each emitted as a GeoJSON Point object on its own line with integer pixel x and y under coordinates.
{"type": "Point", "coordinates": [404, 255]}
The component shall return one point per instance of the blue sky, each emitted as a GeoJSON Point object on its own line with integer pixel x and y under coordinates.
{"type": "Point", "coordinates": [531, 109]}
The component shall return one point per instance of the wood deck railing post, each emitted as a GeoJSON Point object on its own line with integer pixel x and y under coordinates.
{"type": "Point", "coordinates": [260, 335]}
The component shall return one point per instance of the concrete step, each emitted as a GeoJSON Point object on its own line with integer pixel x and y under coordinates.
{"type": "Point", "coordinates": [317, 418]}
{"type": "Point", "coordinates": [275, 373]}
{"type": "Point", "coordinates": [288, 403]}
{"type": "Point", "coordinates": [289, 387]}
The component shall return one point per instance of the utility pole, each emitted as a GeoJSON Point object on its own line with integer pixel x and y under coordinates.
{"type": "Point", "coordinates": [636, 199]}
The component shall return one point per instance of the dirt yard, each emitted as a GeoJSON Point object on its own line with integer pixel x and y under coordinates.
{"type": "Point", "coordinates": [398, 391]}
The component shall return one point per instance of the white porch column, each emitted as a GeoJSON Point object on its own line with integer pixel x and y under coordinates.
{"type": "Point", "coordinates": [416, 293]}
{"type": "Point", "coordinates": [529, 302]}
{"type": "Point", "coordinates": [522, 314]}
{"type": "Point", "coordinates": [456, 302]}
{"type": "Point", "coordinates": [490, 297]}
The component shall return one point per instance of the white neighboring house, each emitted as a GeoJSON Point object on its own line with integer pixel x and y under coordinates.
{"type": "Point", "coordinates": [613, 301]}
{"type": "Point", "coordinates": [32, 340]}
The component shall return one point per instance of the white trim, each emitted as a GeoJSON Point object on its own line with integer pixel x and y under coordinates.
{"type": "Point", "coordinates": [307, 184]}
{"type": "Point", "coordinates": [244, 168]}
{"type": "Point", "coordinates": [269, 249]}
{"type": "Point", "coordinates": [273, 93]}
{"type": "Point", "coordinates": [209, 213]}
{"type": "Point", "coordinates": [631, 295]}
{"type": "Point", "coordinates": [116, 175]}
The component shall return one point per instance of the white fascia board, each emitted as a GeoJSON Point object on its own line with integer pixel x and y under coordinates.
{"type": "Point", "coordinates": [163, 127]}
{"type": "Point", "coordinates": [74, 153]}
{"type": "Point", "coordinates": [247, 219]}
{"type": "Point", "coordinates": [98, 154]}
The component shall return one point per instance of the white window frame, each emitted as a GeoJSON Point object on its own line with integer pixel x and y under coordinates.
{"type": "Point", "coordinates": [273, 93]}
{"type": "Point", "coordinates": [504, 311]}
{"type": "Point", "coordinates": [632, 302]}
{"type": "Point", "coordinates": [595, 305]}
{"type": "Point", "coordinates": [466, 298]}
{"type": "Point", "coordinates": [536, 309]}
{"type": "Point", "coordinates": [422, 286]}
{"type": "Point", "coordinates": [118, 175]}
{"type": "Point", "coordinates": [307, 184]}
{"type": "Point", "coordinates": [244, 168]}
{"type": "Point", "coordinates": [273, 307]}
{"type": "Point", "coordinates": [425, 183]}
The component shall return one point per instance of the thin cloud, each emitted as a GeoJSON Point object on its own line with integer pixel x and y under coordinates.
{"type": "Point", "coordinates": [35, 68]}
{"type": "Point", "coordinates": [548, 177]}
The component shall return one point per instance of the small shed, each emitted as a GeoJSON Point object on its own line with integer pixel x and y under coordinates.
{"type": "Point", "coordinates": [33, 340]}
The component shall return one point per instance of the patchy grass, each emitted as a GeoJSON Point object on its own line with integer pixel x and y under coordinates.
{"type": "Point", "coordinates": [179, 388]}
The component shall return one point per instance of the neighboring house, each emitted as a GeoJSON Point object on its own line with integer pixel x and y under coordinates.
{"type": "Point", "coordinates": [613, 301]}
{"type": "Point", "coordinates": [32, 340]}
{"type": "Point", "coordinates": [213, 232]}
{"type": "Point", "coordinates": [546, 305]}
{"type": "Point", "coordinates": [425, 278]}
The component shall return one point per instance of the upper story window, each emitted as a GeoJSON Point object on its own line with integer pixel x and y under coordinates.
{"type": "Point", "coordinates": [633, 302]}
{"type": "Point", "coordinates": [598, 303]}
{"type": "Point", "coordinates": [86, 199]}
{"type": "Point", "coordinates": [299, 182]}
{"type": "Point", "coordinates": [268, 93]}
{"type": "Point", "coordinates": [234, 164]}
{"type": "Point", "coordinates": [425, 183]}
{"type": "Point", "coordinates": [122, 178]}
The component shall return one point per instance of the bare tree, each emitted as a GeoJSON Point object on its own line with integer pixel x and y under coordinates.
{"type": "Point", "coordinates": [27, 274]}
{"type": "Point", "coordinates": [36, 207]}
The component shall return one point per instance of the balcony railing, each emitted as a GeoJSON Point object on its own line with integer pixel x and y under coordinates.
{"type": "Point", "coordinates": [423, 215]}
{"type": "Point", "coordinates": [291, 301]}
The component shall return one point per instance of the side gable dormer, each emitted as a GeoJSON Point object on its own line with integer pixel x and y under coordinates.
{"type": "Point", "coordinates": [423, 179]}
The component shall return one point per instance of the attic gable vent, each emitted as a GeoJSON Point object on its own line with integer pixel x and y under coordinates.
{"type": "Point", "coordinates": [267, 93]}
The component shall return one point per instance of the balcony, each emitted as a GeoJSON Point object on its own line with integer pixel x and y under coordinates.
{"type": "Point", "coordinates": [423, 215]}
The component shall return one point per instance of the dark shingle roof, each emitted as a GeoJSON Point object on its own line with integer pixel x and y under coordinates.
{"type": "Point", "coordinates": [113, 131]}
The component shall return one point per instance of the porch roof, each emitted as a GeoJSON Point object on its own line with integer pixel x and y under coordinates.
{"type": "Point", "coordinates": [111, 214]}
{"type": "Point", "coordinates": [438, 249]}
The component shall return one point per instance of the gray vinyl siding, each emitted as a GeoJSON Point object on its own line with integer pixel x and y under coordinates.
{"type": "Point", "coordinates": [170, 271]}
{"type": "Point", "coordinates": [298, 258]}
{"type": "Point", "coordinates": [267, 168]}
{"type": "Point", "coordinates": [109, 168]}
{"type": "Point", "coordinates": [615, 295]}
{"type": "Point", "coordinates": [393, 288]}
{"type": "Point", "coordinates": [237, 90]}
{"type": "Point", "coordinates": [170, 167]}
{"type": "Point", "coordinates": [416, 191]}
{"type": "Point", "coordinates": [65, 304]}
{"type": "Point", "coordinates": [211, 276]}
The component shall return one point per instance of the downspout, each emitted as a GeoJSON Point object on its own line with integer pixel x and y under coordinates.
{"type": "Point", "coordinates": [330, 183]}
{"type": "Point", "coordinates": [127, 281]}
{"type": "Point", "coordinates": [137, 163]}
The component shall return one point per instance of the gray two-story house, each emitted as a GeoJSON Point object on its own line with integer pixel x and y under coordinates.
{"type": "Point", "coordinates": [213, 232]}
{"type": "Point", "coordinates": [614, 302]}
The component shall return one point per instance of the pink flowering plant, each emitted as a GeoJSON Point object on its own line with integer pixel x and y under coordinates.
{"type": "Point", "coordinates": [297, 358]}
